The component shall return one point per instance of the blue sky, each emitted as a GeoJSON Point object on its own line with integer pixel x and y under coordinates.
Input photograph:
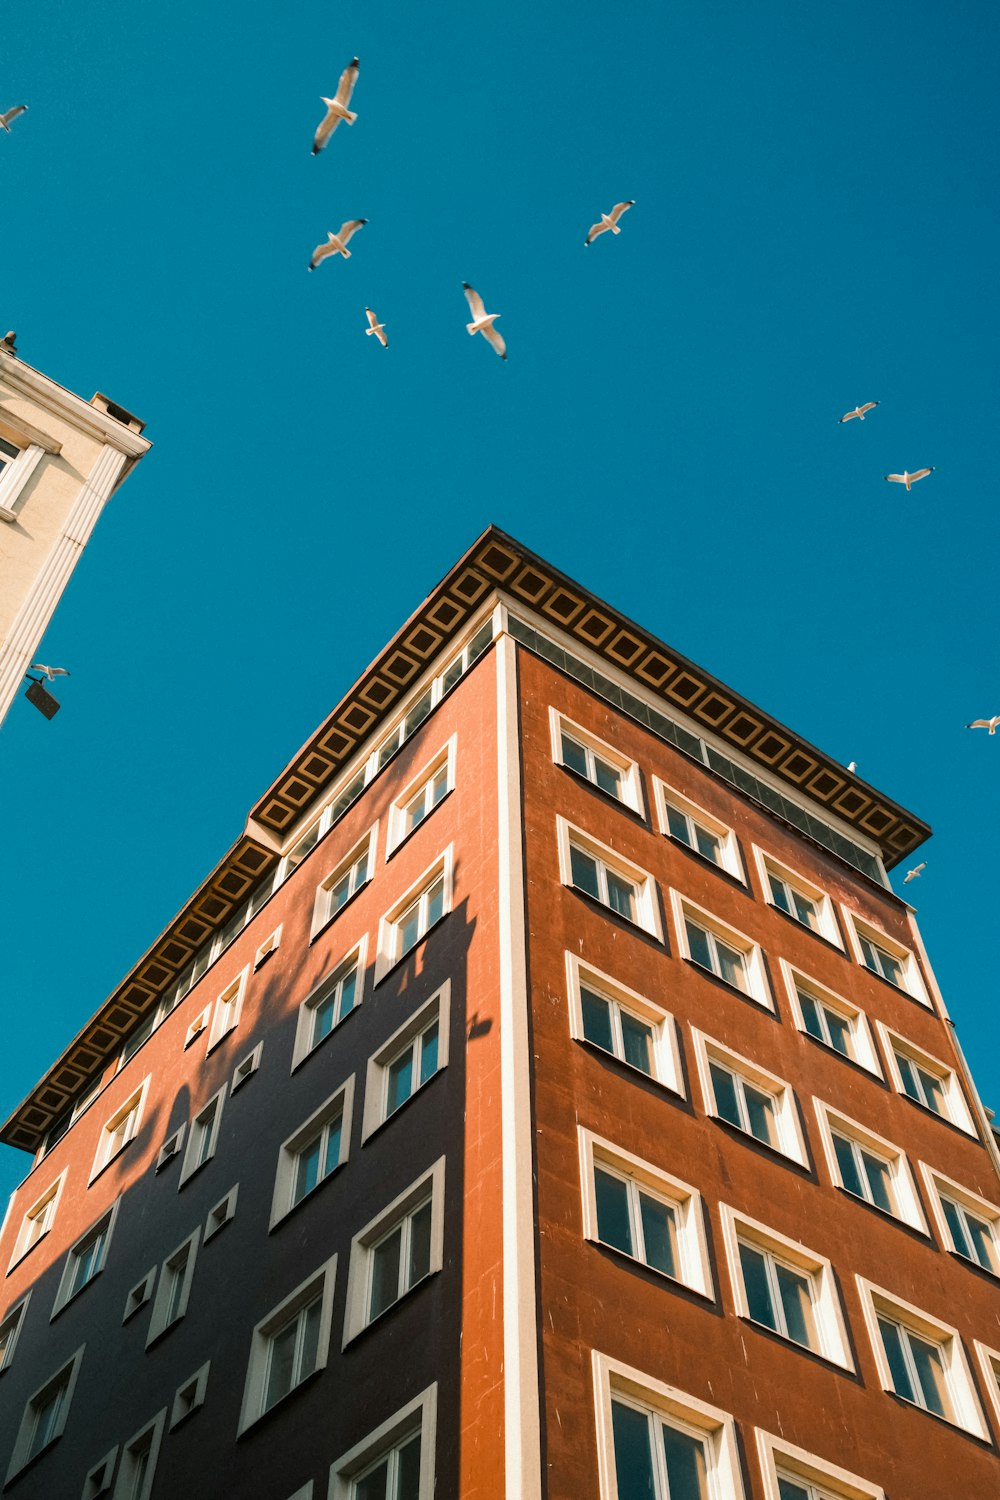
{"type": "Point", "coordinates": [815, 226]}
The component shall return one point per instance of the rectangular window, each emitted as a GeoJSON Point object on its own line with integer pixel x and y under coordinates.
{"type": "Point", "coordinates": [226, 1014]}
{"type": "Point", "coordinates": [142, 1033]}
{"type": "Point", "coordinates": [86, 1259]}
{"type": "Point", "coordinates": [221, 1214]}
{"type": "Point", "coordinates": [120, 1130]}
{"type": "Point", "coordinates": [609, 1015]}
{"type": "Point", "coordinates": [410, 920]}
{"type": "Point", "coordinates": [68, 1116]}
{"type": "Point", "coordinates": [786, 1288]}
{"type": "Point", "coordinates": [829, 1019]}
{"type": "Point", "coordinates": [796, 896]}
{"type": "Point", "coordinates": [791, 1473]}
{"type": "Point", "coordinates": [8, 454]}
{"type": "Point", "coordinates": [686, 823]}
{"type": "Point", "coordinates": [591, 759]}
{"type": "Point", "coordinates": [336, 996]}
{"type": "Point", "coordinates": [101, 1477]}
{"type": "Point", "coordinates": [658, 1443]}
{"type": "Point", "coordinates": [173, 1288]}
{"type": "Point", "coordinates": [748, 1098]}
{"type": "Point", "coordinates": [644, 1213]}
{"type": "Point", "coordinates": [246, 1068]}
{"type": "Point", "coordinates": [189, 1396]}
{"type": "Point", "coordinates": [396, 1251]}
{"type": "Point", "coordinates": [607, 877]}
{"type": "Point", "coordinates": [926, 1080]}
{"type": "Point", "coordinates": [203, 1137]}
{"type": "Point", "coordinates": [921, 1084]}
{"type": "Point", "coordinates": [38, 1220]}
{"type": "Point", "coordinates": [921, 1359]}
{"type": "Point", "coordinates": [721, 950]}
{"type": "Point", "coordinates": [44, 1416]}
{"type": "Point", "coordinates": [968, 1224]}
{"type": "Point", "coordinates": [289, 1345]}
{"type": "Point", "coordinates": [396, 1461]}
{"type": "Point", "coordinates": [409, 1059]}
{"type": "Point", "coordinates": [344, 881]}
{"type": "Point", "coordinates": [868, 1167]}
{"type": "Point", "coordinates": [885, 956]}
{"type": "Point", "coordinates": [138, 1461]}
{"type": "Point", "coordinates": [421, 795]}
{"type": "Point", "coordinates": [314, 1152]}
{"type": "Point", "coordinates": [989, 1363]}
{"type": "Point", "coordinates": [10, 1327]}
{"type": "Point", "coordinates": [407, 725]}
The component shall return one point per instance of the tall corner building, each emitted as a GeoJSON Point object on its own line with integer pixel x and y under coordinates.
{"type": "Point", "coordinates": [546, 1096]}
{"type": "Point", "coordinates": [61, 459]}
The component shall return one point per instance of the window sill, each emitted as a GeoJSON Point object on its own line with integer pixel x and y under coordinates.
{"type": "Point", "coordinates": [253, 1423]}
{"type": "Point", "coordinates": [609, 911]}
{"type": "Point", "coordinates": [633, 1263]}
{"type": "Point", "coordinates": [289, 1213]}
{"type": "Point", "coordinates": [897, 989]}
{"type": "Point", "coordinates": [974, 1265]}
{"type": "Point", "coordinates": [299, 1062]}
{"type": "Point", "coordinates": [925, 1109]}
{"type": "Point", "coordinates": [395, 848]}
{"type": "Point", "coordinates": [110, 1161]}
{"type": "Point", "coordinates": [631, 1070]}
{"type": "Point", "coordinates": [852, 1062]}
{"type": "Point", "coordinates": [952, 1424]}
{"type": "Point", "coordinates": [376, 1129]}
{"type": "Point", "coordinates": [732, 989]}
{"type": "Point", "coordinates": [789, 1343]}
{"type": "Point", "coordinates": [18, 1260]}
{"type": "Point", "coordinates": [212, 1046]}
{"type": "Point", "coordinates": [328, 921]}
{"type": "Point", "coordinates": [738, 882]}
{"type": "Point", "coordinates": [821, 937]}
{"type": "Point", "coordinates": [884, 1214]}
{"type": "Point", "coordinates": [773, 1153]}
{"type": "Point", "coordinates": [382, 974]}
{"type": "Point", "coordinates": [608, 798]}
{"type": "Point", "coordinates": [358, 1333]}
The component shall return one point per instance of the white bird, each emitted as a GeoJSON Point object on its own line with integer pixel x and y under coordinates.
{"type": "Point", "coordinates": [50, 672]}
{"type": "Point", "coordinates": [336, 244]}
{"type": "Point", "coordinates": [853, 766]}
{"type": "Point", "coordinates": [912, 874]}
{"type": "Point", "coordinates": [376, 328]}
{"type": "Point", "coordinates": [908, 479]}
{"type": "Point", "coordinates": [336, 108]}
{"type": "Point", "coordinates": [12, 114]}
{"type": "Point", "coordinates": [859, 411]}
{"type": "Point", "coordinates": [482, 321]}
{"type": "Point", "coordinates": [608, 221]}
{"type": "Point", "coordinates": [988, 724]}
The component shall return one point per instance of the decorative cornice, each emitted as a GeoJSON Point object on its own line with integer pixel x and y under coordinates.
{"type": "Point", "coordinates": [48, 394]}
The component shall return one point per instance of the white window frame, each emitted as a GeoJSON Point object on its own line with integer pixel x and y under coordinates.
{"type": "Point", "coordinates": [191, 1163]}
{"type": "Point", "coordinates": [26, 1238]}
{"type": "Point", "coordinates": [715, 1427]}
{"type": "Point", "coordinates": [171, 1146]}
{"type": "Point", "coordinates": [13, 1319]}
{"type": "Point", "coordinates": [667, 1069]}
{"type": "Point", "coordinates": [21, 1454]}
{"type": "Point", "coordinates": [683, 909]}
{"type": "Point", "coordinates": [268, 947]}
{"type": "Point", "coordinates": [647, 916]}
{"type": "Point", "coordinates": [938, 1186]}
{"type": "Point", "coordinates": [443, 759]}
{"type": "Point", "coordinates": [139, 1295]}
{"type": "Point", "coordinates": [365, 849]}
{"type": "Point", "coordinates": [791, 1141]}
{"type": "Point", "coordinates": [908, 1207]}
{"type": "Point", "coordinates": [16, 472]}
{"type": "Point", "coordinates": [304, 1046]}
{"type": "Point", "coordinates": [731, 862]}
{"type": "Point", "coordinates": [776, 1453]}
{"type": "Point", "coordinates": [158, 1323]}
{"type": "Point", "coordinates": [438, 1008]}
{"type": "Point", "coordinates": [968, 1411]}
{"type": "Point", "coordinates": [246, 1068]}
{"type": "Point", "coordinates": [227, 1009]}
{"type": "Point", "coordinates": [102, 1227]}
{"type": "Point", "coordinates": [221, 1214]}
{"type": "Point", "coordinates": [189, 1396]}
{"type": "Point", "coordinates": [913, 983]}
{"type": "Point", "coordinates": [356, 1318]}
{"type": "Point", "coordinates": [989, 1364]}
{"type": "Point", "coordinates": [340, 1105]}
{"type": "Point", "coordinates": [957, 1110]}
{"type": "Point", "coordinates": [197, 1026]}
{"type": "Point", "coordinates": [865, 1054]}
{"type": "Point", "coordinates": [627, 768]}
{"type": "Point", "coordinates": [828, 1314]}
{"type": "Point", "coordinates": [388, 953]}
{"type": "Point", "coordinates": [130, 1113]}
{"type": "Point", "coordinates": [321, 1281]}
{"type": "Point", "coordinates": [124, 1486]}
{"type": "Point", "coordinates": [769, 864]}
{"type": "Point", "coordinates": [101, 1477]}
{"type": "Point", "coordinates": [418, 1415]}
{"type": "Point", "coordinates": [694, 1271]}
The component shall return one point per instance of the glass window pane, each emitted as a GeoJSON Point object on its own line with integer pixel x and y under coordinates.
{"type": "Point", "coordinates": [417, 714]}
{"type": "Point", "coordinates": [309, 1319]}
{"type": "Point", "coordinates": [429, 1053]}
{"type": "Point", "coordinates": [633, 1459]}
{"type": "Point", "coordinates": [408, 1471]}
{"type": "Point", "coordinates": [726, 1102]}
{"type": "Point", "coordinates": [637, 1039]}
{"type": "Point", "coordinates": [596, 1019]}
{"type": "Point", "coordinates": [760, 1113]}
{"type": "Point", "coordinates": [583, 872]}
{"type": "Point", "coordinates": [879, 1180]}
{"type": "Point", "coordinates": [659, 1234]}
{"type": "Point", "coordinates": [621, 895]}
{"type": "Point", "coordinates": [306, 1170]}
{"type": "Point", "coordinates": [908, 1074]}
{"type": "Point", "coordinates": [848, 1166]}
{"type": "Point", "coordinates": [409, 928]}
{"type": "Point", "coordinates": [840, 1032]}
{"type": "Point", "coordinates": [332, 1154]}
{"type": "Point", "coordinates": [373, 1485]}
{"type": "Point", "coordinates": [281, 1364]}
{"type": "Point", "coordinates": [929, 1364]}
{"type": "Point", "coordinates": [452, 674]}
{"type": "Point", "coordinates": [794, 1289]}
{"type": "Point", "coordinates": [348, 991]}
{"type": "Point", "coordinates": [892, 1344]}
{"type": "Point", "coordinates": [933, 1092]}
{"type": "Point", "coordinates": [779, 893]}
{"type": "Point", "coordinates": [400, 1081]}
{"type": "Point", "coordinates": [758, 1290]}
{"type": "Point", "coordinates": [608, 778]}
{"type": "Point", "coordinates": [699, 945]}
{"type": "Point", "coordinates": [732, 965]}
{"type": "Point", "coordinates": [385, 1272]}
{"type": "Point", "coordinates": [420, 1244]}
{"type": "Point", "coordinates": [613, 1225]}
{"type": "Point", "coordinates": [806, 911]}
{"type": "Point", "coordinates": [686, 1469]}
{"type": "Point", "coordinates": [708, 844]}
{"type": "Point", "coordinates": [574, 755]}
{"type": "Point", "coordinates": [810, 1015]}
{"type": "Point", "coordinates": [789, 1490]}
{"type": "Point", "coordinates": [984, 1249]}
{"type": "Point", "coordinates": [678, 825]}
{"type": "Point", "coordinates": [435, 901]}
{"type": "Point", "coordinates": [323, 1019]}
{"type": "Point", "coordinates": [892, 969]}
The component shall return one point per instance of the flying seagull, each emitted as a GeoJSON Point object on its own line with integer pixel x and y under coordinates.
{"type": "Point", "coordinates": [336, 244]}
{"type": "Point", "coordinates": [912, 874]}
{"type": "Point", "coordinates": [376, 328]}
{"type": "Point", "coordinates": [482, 321]}
{"type": "Point", "coordinates": [908, 479]}
{"type": "Point", "coordinates": [608, 221]}
{"type": "Point", "coordinates": [50, 672]}
{"type": "Point", "coordinates": [859, 411]}
{"type": "Point", "coordinates": [988, 724]}
{"type": "Point", "coordinates": [336, 108]}
{"type": "Point", "coordinates": [12, 114]}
